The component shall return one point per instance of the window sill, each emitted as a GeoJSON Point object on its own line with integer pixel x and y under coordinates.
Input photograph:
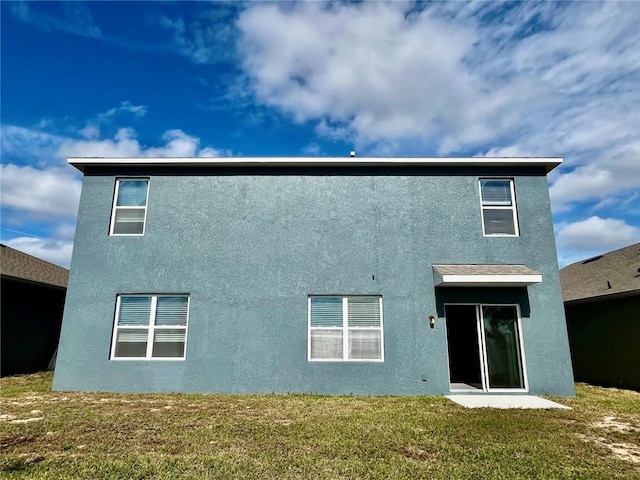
{"type": "Point", "coordinates": [325, 360]}
{"type": "Point", "coordinates": [140, 359]}
{"type": "Point", "coordinates": [498, 235]}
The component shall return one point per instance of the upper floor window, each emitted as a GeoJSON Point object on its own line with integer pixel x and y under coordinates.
{"type": "Point", "coordinates": [499, 217]}
{"type": "Point", "coordinates": [129, 206]}
{"type": "Point", "coordinates": [150, 326]}
{"type": "Point", "coordinates": [345, 328]}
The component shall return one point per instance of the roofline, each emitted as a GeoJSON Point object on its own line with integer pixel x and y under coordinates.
{"type": "Point", "coordinates": [600, 256]}
{"type": "Point", "coordinates": [38, 283]}
{"type": "Point", "coordinates": [81, 163]}
{"type": "Point", "coordinates": [605, 296]}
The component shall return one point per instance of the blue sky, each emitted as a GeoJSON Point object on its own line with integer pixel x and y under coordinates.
{"type": "Point", "coordinates": [321, 79]}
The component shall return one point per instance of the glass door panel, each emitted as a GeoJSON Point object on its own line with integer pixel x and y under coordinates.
{"type": "Point", "coordinates": [464, 347]}
{"type": "Point", "coordinates": [502, 347]}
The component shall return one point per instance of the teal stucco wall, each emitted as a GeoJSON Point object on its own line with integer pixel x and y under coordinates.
{"type": "Point", "coordinates": [249, 246]}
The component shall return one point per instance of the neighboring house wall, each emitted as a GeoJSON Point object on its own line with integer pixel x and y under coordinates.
{"type": "Point", "coordinates": [31, 316]}
{"type": "Point", "coordinates": [250, 245]}
{"type": "Point", "coordinates": [33, 293]}
{"type": "Point", "coordinates": [605, 337]}
{"type": "Point", "coordinates": [602, 303]}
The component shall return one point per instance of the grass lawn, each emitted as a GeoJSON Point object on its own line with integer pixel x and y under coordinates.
{"type": "Point", "coordinates": [45, 434]}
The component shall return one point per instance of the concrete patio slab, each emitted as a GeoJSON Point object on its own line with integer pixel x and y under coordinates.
{"type": "Point", "coordinates": [504, 401]}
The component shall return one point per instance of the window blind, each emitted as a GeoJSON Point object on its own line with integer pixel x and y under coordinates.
{"type": "Point", "coordinates": [496, 192]}
{"type": "Point", "coordinates": [133, 336]}
{"type": "Point", "coordinates": [364, 344]}
{"type": "Point", "coordinates": [326, 344]}
{"type": "Point", "coordinates": [134, 311]}
{"type": "Point", "coordinates": [171, 311]}
{"type": "Point", "coordinates": [326, 312]}
{"type": "Point", "coordinates": [132, 193]}
{"type": "Point", "coordinates": [364, 312]}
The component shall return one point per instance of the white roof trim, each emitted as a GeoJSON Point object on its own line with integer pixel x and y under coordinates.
{"type": "Point", "coordinates": [548, 162]}
{"type": "Point", "coordinates": [486, 280]}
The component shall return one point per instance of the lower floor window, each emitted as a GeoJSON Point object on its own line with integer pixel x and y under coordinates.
{"type": "Point", "coordinates": [150, 326]}
{"type": "Point", "coordinates": [345, 328]}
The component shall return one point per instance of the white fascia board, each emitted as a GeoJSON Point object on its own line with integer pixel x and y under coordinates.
{"type": "Point", "coordinates": [548, 162]}
{"type": "Point", "coordinates": [486, 280]}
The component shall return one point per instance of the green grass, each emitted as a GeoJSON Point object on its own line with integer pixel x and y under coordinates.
{"type": "Point", "coordinates": [124, 436]}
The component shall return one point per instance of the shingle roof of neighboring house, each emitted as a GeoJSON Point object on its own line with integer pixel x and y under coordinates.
{"type": "Point", "coordinates": [16, 264]}
{"type": "Point", "coordinates": [614, 273]}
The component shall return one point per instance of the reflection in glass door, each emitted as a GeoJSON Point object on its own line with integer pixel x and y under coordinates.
{"type": "Point", "coordinates": [502, 349]}
{"type": "Point", "coordinates": [484, 345]}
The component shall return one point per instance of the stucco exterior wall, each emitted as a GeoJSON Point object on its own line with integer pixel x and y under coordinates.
{"type": "Point", "coordinates": [249, 246]}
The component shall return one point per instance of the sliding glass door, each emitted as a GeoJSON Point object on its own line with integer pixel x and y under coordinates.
{"type": "Point", "coordinates": [485, 347]}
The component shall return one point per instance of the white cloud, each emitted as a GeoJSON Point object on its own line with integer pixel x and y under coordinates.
{"type": "Point", "coordinates": [373, 70]}
{"type": "Point", "coordinates": [206, 40]}
{"type": "Point", "coordinates": [213, 152]}
{"type": "Point", "coordinates": [194, 48]}
{"type": "Point", "coordinates": [52, 250]}
{"type": "Point", "coordinates": [510, 151]}
{"type": "Point", "coordinates": [64, 231]}
{"type": "Point", "coordinates": [126, 106]}
{"type": "Point", "coordinates": [605, 203]}
{"type": "Point", "coordinates": [125, 144]}
{"type": "Point", "coordinates": [37, 146]}
{"type": "Point", "coordinates": [526, 79]}
{"type": "Point", "coordinates": [90, 132]}
{"type": "Point", "coordinates": [75, 18]}
{"type": "Point", "coordinates": [178, 144]}
{"type": "Point", "coordinates": [312, 149]}
{"type": "Point", "coordinates": [602, 179]}
{"type": "Point", "coordinates": [40, 193]}
{"type": "Point", "coordinates": [593, 236]}
{"type": "Point", "coordinates": [377, 72]}
{"type": "Point", "coordinates": [27, 143]}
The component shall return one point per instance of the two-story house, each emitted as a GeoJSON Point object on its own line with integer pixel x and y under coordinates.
{"type": "Point", "coordinates": [401, 276]}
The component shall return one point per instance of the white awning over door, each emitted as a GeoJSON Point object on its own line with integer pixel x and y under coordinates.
{"type": "Point", "coordinates": [483, 275]}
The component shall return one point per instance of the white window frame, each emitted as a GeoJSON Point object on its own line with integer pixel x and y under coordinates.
{"type": "Point", "coordinates": [345, 330]}
{"type": "Point", "coordinates": [511, 207]}
{"type": "Point", "coordinates": [116, 208]}
{"type": "Point", "coordinates": [151, 328]}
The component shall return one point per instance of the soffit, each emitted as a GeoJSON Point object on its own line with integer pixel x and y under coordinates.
{"type": "Point", "coordinates": [549, 163]}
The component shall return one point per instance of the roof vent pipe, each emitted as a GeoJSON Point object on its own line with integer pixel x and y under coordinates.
{"type": "Point", "coordinates": [352, 154]}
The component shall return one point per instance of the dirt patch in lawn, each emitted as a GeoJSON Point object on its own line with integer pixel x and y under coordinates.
{"type": "Point", "coordinates": [623, 450]}
{"type": "Point", "coordinates": [616, 424]}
